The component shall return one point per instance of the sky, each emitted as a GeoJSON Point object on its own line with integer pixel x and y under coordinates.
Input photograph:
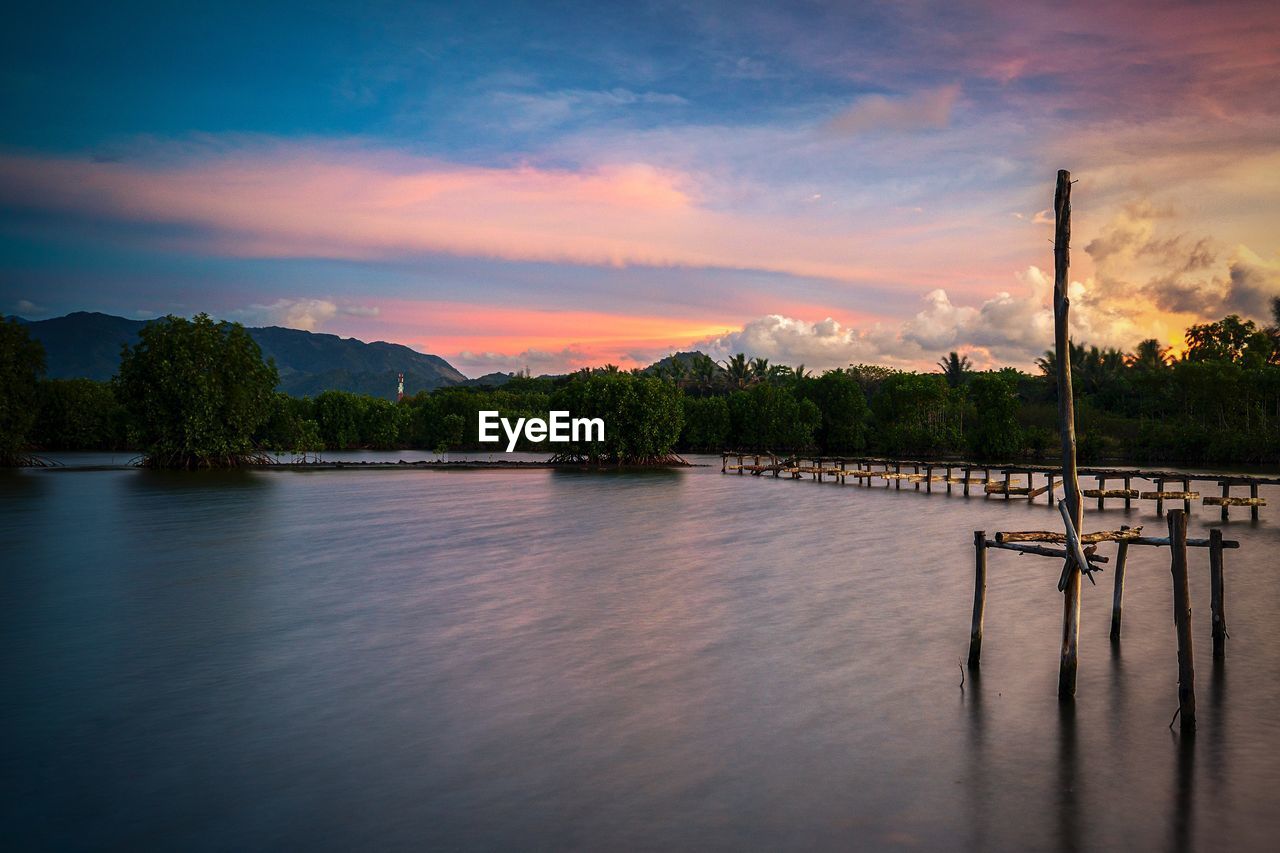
{"type": "Point", "coordinates": [556, 185]}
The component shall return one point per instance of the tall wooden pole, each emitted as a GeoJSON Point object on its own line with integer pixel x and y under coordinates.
{"type": "Point", "coordinates": [1069, 583]}
{"type": "Point", "coordinates": [1117, 594]}
{"type": "Point", "coordinates": [1217, 594]}
{"type": "Point", "coordinates": [979, 597]}
{"type": "Point", "coordinates": [1182, 620]}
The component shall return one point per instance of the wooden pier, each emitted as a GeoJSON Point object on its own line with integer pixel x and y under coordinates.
{"type": "Point", "coordinates": [1023, 481]}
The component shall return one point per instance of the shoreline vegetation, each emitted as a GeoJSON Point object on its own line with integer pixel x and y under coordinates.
{"type": "Point", "coordinates": [198, 394]}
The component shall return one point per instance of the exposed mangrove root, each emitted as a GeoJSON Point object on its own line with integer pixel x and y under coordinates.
{"type": "Point", "coordinates": [28, 460]}
{"type": "Point", "coordinates": [182, 461]}
{"type": "Point", "coordinates": [666, 460]}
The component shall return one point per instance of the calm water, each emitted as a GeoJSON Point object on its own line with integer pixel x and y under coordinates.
{"type": "Point", "coordinates": [538, 659]}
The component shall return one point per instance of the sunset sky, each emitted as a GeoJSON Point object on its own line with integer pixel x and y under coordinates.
{"type": "Point", "coordinates": [555, 185]}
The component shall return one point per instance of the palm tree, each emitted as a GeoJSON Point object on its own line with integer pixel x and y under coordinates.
{"type": "Point", "coordinates": [678, 371]}
{"type": "Point", "coordinates": [760, 369]}
{"type": "Point", "coordinates": [704, 370]}
{"type": "Point", "coordinates": [738, 371]}
{"type": "Point", "coordinates": [954, 367]}
{"type": "Point", "coordinates": [1149, 355]}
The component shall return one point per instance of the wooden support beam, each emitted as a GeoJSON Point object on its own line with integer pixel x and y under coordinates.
{"type": "Point", "coordinates": [1050, 490]}
{"type": "Point", "coordinates": [979, 597]}
{"type": "Point", "coordinates": [1111, 493]}
{"type": "Point", "coordinates": [1253, 496]}
{"type": "Point", "coordinates": [1042, 551]}
{"type": "Point", "coordinates": [1182, 620]}
{"type": "Point", "coordinates": [1163, 542]}
{"type": "Point", "coordinates": [1217, 594]}
{"type": "Point", "coordinates": [1129, 493]}
{"type": "Point", "coordinates": [1161, 497]}
{"type": "Point", "coordinates": [1210, 500]}
{"type": "Point", "coordinates": [1117, 593]}
{"type": "Point", "coordinates": [1158, 494]}
{"type": "Point", "coordinates": [1124, 533]}
{"type": "Point", "coordinates": [967, 472]}
{"type": "Point", "coordinates": [1186, 501]}
{"type": "Point", "coordinates": [1100, 493]}
{"type": "Point", "coordinates": [1226, 493]}
{"type": "Point", "coordinates": [1007, 484]}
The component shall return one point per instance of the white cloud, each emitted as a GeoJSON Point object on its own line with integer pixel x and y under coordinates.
{"type": "Point", "coordinates": [304, 313]}
{"type": "Point", "coordinates": [26, 306]}
{"type": "Point", "coordinates": [536, 361]}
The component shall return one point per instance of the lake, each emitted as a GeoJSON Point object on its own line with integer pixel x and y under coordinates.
{"type": "Point", "coordinates": [469, 660]}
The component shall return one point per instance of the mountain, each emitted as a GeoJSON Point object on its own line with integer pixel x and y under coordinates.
{"type": "Point", "coordinates": [688, 359]}
{"type": "Point", "coordinates": [88, 345]}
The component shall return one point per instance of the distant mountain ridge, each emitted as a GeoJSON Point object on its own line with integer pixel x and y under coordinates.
{"type": "Point", "coordinates": [85, 344]}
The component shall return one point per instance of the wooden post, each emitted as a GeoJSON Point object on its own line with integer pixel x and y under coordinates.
{"type": "Point", "coordinates": [1050, 490]}
{"type": "Point", "coordinates": [897, 481]}
{"type": "Point", "coordinates": [1102, 485]}
{"type": "Point", "coordinates": [1182, 620]}
{"type": "Point", "coordinates": [979, 597]}
{"type": "Point", "coordinates": [740, 458]}
{"type": "Point", "coordinates": [1128, 501]}
{"type": "Point", "coordinates": [1186, 502]}
{"type": "Point", "coordinates": [928, 479]}
{"type": "Point", "coordinates": [1159, 501]}
{"type": "Point", "coordinates": [1069, 583]}
{"type": "Point", "coordinates": [1226, 493]}
{"type": "Point", "coordinates": [966, 481]}
{"type": "Point", "coordinates": [724, 462]}
{"type": "Point", "coordinates": [1217, 594]}
{"type": "Point", "coordinates": [1007, 475]}
{"type": "Point", "coordinates": [1117, 595]}
{"type": "Point", "coordinates": [916, 469]}
{"type": "Point", "coordinates": [1253, 493]}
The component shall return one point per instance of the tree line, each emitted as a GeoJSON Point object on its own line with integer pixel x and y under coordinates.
{"type": "Point", "coordinates": [195, 393]}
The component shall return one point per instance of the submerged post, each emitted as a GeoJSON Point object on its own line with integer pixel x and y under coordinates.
{"type": "Point", "coordinates": [1117, 595]}
{"type": "Point", "coordinates": [1182, 620]}
{"type": "Point", "coordinates": [1069, 583]}
{"type": "Point", "coordinates": [1217, 594]}
{"type": "Point", "coordinates": [979, 596]}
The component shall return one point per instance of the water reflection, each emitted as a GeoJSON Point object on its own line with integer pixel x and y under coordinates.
{"type": "Point", "coordinates": [672, 659]}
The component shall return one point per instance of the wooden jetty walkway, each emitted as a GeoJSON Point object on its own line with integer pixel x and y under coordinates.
{"type": "Point", "coordinates": [1011, 481]}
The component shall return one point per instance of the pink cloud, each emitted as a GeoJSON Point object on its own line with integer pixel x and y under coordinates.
{"type": "Point", "coordinates": [275, 199]}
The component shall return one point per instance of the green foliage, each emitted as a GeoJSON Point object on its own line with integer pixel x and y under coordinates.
{"type": "Point", "coordinates": [80, 414]}
{"type": "Point", "coordinates": [916, 414]}
{"type": "Point", "coordinates": [771, 417]}
{"type": "Point", "coordinates": [642, 417]}
{"type": "Point", "coordinates": [21, 366]}
{"type": "Point", "coordinates": [992, 431]}
{"type": "Point", "coordinates": [843, 409]}
{"type": "Point", "coordinates": [196, 391]}
{"type": "Point", "coordinates": [706, 423]}
{"type": "Point", "coordinates": [291, 427]}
